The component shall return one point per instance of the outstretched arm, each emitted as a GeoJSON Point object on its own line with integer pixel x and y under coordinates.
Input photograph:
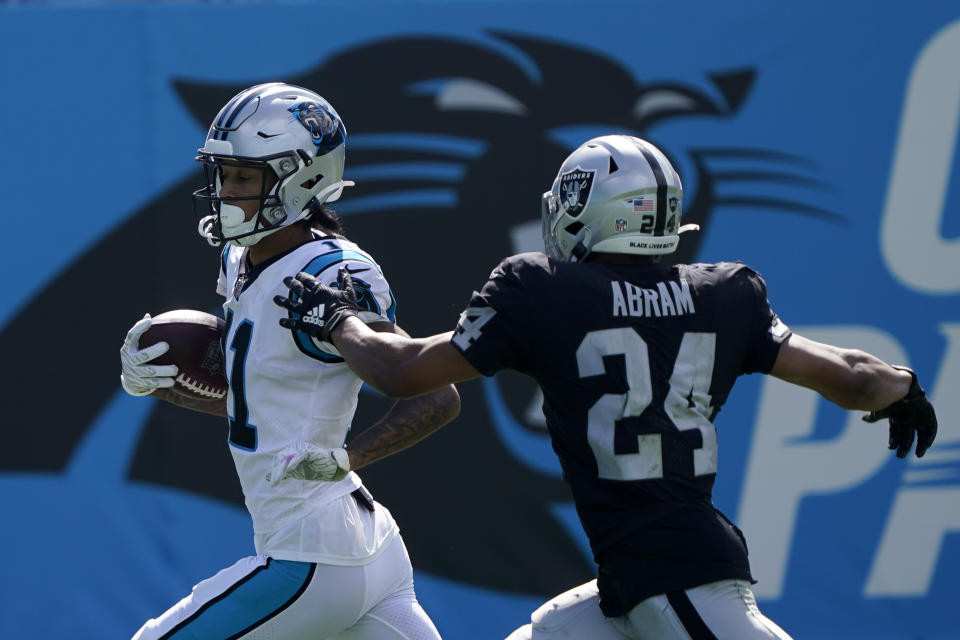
{"type": "Point", "coordinates": [850, 378]}
{"type": "Point", "coordinates": [406, 423]}
{"type": "Point", "coordinates": [397, 365]}
{"type": "Point", "coordinates": [855, 379]}
{"type": "Point", "coordinates": [393, 363]}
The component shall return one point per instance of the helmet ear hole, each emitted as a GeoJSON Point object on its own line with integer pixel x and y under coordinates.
{"type": "Point", "coordinates": [573, 228]}
{"type": "Point", "coordinates": [309, 184]}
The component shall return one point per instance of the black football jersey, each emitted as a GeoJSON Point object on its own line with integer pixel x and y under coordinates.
{"type": "Point", "coordinates": [635, 361]}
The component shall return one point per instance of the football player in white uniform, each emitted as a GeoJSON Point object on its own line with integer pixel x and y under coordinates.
{"type": "Point", "coordinates": [634, 358]}
{"type": "Point", "coordinates": [330, 561]}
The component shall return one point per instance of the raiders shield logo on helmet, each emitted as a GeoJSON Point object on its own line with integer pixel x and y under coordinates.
{"type": "Point", "coordinates": [575, 190]}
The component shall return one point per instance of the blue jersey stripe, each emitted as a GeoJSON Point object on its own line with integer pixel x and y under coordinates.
{"type": "Point", "coordinates": [392, 309]}
{"type": "Point", "coordinates": [306, 345]}
{"type": "Point", "coordinates": [320, 263]}
{"type": "Point", "coordinates": [315, 267]}
{"type": "Point", "coordinates": [249, 603]}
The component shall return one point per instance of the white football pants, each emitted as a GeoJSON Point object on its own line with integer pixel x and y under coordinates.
{"type": "Point", "coordinates": [724, 610]}
{"type": "Point", "coordinates": [260, 598]}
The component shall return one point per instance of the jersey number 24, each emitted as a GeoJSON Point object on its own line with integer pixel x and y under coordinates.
{"type": "Point", "coordinates": [687, 403]}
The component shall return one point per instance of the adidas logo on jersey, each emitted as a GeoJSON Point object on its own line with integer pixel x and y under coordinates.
{"type": "Point", "coordinates": [315, 316]}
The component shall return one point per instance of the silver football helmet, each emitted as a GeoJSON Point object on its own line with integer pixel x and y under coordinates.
{"type": "Point", "coordinates": [286, 129]}
{"type": "Point", "coordinates": [614, 194]}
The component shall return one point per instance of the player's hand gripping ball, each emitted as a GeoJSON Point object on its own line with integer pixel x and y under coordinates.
{"type": "Point", "coordinates": [193, 348]}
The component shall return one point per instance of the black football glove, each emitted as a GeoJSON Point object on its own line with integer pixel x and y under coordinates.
{"type": "Point", "coordinates": [317, 308]}
{"type": "Point", "coordinates": [912, 413]}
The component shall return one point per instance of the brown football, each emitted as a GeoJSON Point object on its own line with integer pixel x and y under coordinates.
{"type": "Point", "coordinates": [194, 339]}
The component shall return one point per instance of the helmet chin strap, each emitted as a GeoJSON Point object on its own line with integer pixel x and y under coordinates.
{"type": "Point", "coordinates": [204, 228]}
{"type": "Point", "coordinates": [578, 253]}
{"type": "Point", "coordinates": [233, 223]}
{"type": "Point", "coordinates": [233, 217]}
{"type": "Point", "coordinates": [233, 220]}
{"type": "Point", "coordinates": [580, 250]}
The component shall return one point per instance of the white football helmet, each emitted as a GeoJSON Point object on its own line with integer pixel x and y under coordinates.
{"type": "Point", "coordinates": [288, 129]}
{"type": "Point", "coordinates": [614, 194]}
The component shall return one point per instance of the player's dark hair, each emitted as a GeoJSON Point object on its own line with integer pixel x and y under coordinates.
{"type": "Point", "coordinates": [324, 218]}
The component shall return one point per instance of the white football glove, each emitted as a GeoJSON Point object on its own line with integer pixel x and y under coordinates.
{"type": "Point", "coordinates": [305, 461]}
{"type": "Point", "coordinates": [136, 376]}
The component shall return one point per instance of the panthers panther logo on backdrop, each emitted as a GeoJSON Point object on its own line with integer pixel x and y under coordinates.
{"type": "Point", "coordinates": [447, 184]}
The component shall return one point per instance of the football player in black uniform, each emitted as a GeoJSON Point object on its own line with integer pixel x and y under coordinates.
{"type": "Point", "coordinates": [635, 359]}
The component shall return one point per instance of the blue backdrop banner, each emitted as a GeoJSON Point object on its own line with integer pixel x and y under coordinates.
{"type": "Point", "coordinates": [817, 142]}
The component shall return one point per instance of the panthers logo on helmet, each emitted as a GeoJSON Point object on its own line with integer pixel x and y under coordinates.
{"type": "Point", "coordinates": [325, 128]}
{"type": "Point", "coordinates": [575, 190]}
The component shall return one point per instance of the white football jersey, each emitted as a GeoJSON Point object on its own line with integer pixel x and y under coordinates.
{"type": "Point", "coordinates": [285, 387]}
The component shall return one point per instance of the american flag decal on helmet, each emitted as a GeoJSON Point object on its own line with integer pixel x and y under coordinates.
{"type": "Point", "coordinates": [643, 204]}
